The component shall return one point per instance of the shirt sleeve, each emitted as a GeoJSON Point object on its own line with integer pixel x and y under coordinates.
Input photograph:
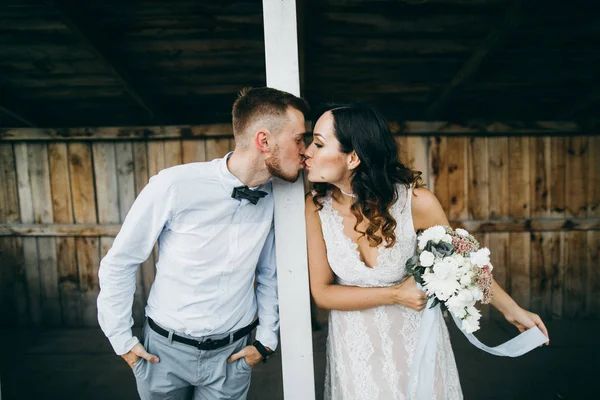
{"type": "Point", "coordinates": [145, 221]}
{"type": "Point", "coordinates": [266, 294]}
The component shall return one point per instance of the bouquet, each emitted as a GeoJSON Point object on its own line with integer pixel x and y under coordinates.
{"type": "Point", "coordinates": [454, 272]}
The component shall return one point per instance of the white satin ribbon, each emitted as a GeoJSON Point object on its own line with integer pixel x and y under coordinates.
{"type": "Point", "coordinates": [422, 370]}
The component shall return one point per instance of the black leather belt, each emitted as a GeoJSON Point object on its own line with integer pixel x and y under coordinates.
{"type": "Point", "coordinates": [208, 344]}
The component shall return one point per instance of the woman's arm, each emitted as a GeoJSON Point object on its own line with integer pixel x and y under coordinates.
{"type": "Point", "coordinates": [427, 212]}
{"type": "Point", "coordinates": [331, 296]}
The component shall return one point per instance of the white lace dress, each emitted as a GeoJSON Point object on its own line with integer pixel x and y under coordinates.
{"type": "Point", "coordinates": [369, 352]}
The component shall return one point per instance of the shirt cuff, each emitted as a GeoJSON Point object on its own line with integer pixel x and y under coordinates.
{"type": "Point", "coordinates": [267, 337]}
{"type": "Point", "coordinates": [123, 343]}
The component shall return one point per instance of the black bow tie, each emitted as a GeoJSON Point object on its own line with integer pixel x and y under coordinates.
{"type": "Point", "coordinates": [244, 192]}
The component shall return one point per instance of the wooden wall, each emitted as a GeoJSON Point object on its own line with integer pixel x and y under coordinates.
{"type": "Point", "coordinates": [534, 200]}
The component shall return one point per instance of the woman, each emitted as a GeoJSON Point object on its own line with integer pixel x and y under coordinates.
{"type": "Point", "coordinates": [362, 218]}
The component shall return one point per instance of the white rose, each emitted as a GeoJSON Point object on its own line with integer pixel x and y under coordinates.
{"type": "Point", "coordinates": [466, 279]}
{"type": "Point", "coordinates": [446, 238]}
{"type": "Point", "coordinates": [426, 258]}
{"type": "Point", "coordinates": [473, 312]}
{"type": "Point", "coordinates": [437, 233]}
{"type": "Point", "coordinates": [459, 313]}
{"type": "Point", "coordinates": [465, 296]}
{"type": "Point", "coordinates": [481, 257]}
{"type": "Point", "coordinates": [461, 232]}
{"type": "Point", "coordinates": [470, 324]}
{"type": "Point", "coordinates": [477, 293]}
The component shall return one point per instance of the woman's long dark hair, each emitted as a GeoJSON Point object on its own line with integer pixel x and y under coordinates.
{"type": "Point", "coordinates": [363, 129]}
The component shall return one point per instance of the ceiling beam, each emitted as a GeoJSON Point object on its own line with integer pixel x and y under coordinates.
{"type": "Point", "coordinates": [79, 26]}
{"type": "Point", "coordinates": [470, 67]}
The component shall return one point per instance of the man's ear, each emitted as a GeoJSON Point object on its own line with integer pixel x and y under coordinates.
{"type": "Point", "coordinates": [262, 140]}
{"type": "Point", "coordinates": [353, 161]}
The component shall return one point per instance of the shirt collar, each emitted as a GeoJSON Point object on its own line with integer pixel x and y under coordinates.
{"type": "Point", "coordinates": [229, 181]}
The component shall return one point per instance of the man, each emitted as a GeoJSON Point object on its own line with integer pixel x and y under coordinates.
{"type": "Point", "coordinates": [214, 226]}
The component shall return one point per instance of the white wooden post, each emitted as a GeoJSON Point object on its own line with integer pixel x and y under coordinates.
{"type": "Point", "coordinates": [281, 51]}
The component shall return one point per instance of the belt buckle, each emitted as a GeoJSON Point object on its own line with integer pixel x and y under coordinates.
{"type": "Point", "coordinates": [208, 344]}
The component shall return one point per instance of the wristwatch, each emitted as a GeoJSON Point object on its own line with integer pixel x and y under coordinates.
{"type": "Point", "coordinates": [264, 352]}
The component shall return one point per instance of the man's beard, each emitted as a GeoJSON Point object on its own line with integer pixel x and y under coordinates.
{"type": "Point", "coordinates": [274, 167]}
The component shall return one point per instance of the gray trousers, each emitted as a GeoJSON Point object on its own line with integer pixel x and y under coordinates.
{"type": "Point", "coordinates": [184, 372]}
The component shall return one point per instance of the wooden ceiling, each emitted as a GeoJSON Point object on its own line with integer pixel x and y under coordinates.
{"type": "Point", "coordinates": [165, 62]}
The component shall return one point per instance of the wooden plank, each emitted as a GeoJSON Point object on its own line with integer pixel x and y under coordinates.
{"type": "Point", "coordinates": [408, 128]}
{"type": "Point", "coordinates": [126, 189]}
{"type": "Point", "coordinates": [13, 293]}
{"type": "Point", "coordinates": [594, 176]}
{"type": "Point", "coordinates": [575, 274]}
{"type": "Point", "coordinates": [9, 199]}
{"type": "Point", "coordinates": [216, 148]}
{"type": "Point", "coordinates": [519, 258]}
{"type": "Point", "coordinates": [416, 155]}
{"type": "Point", "coordinates": [82, 181]}
{"type": "Point", "coordinates": [577, 176]}
{"type": "Point", "coordinates": [84, 211]}
{"type": "Point", "coordinates": [8, 299]}
{"type": "Point", "coordinates": [105, 174]}
{"type": "Point", "coordinates": [125, 178]}
{"type": "Point", "coordinates": [439, 170]}
{"type": "Point", "coordinates": [173, 153]}
{"type": "Point", "coordinates": [490, 226]}
{"type": "Point", "coordinates": [282, 67]}
{"type": "Point", "coordinates": [542, 272]}
{"type": "Point", "coordinates": [593, 274]}
{"type": "Point", "coordinates": [458, 189]}
{"type": "Point", "coordinates": [558, 180]}
{"type": "Point", "coordinates": [156, 157]}
{"type": "Point", "coordinates": [193, 151]}
{"type": "Point", "coordinates": [498, 177]}
{"type": "Point", "coordinates": [470, 67]}
{"type": "Point", "coordinates": [499, 248]}
{"type": "Point", "coordinates": [519, 175]}
{"type": "Point", "coordinates": [18, 294]}
{"type": "Point", "coordinates": [88, 258]}
{"type": "Point", "coordinates": [559, 267]}
{"type": "Point", "coordinates": [39, 176]}
{"type": "Point", "coordinates": [28, 245]}
{"type": "Point", "coordinates": [479, 188]}
{"type": "Point", "coordinates": [117, 133]}
{"type": "Point", "coordinates": [541, 168]}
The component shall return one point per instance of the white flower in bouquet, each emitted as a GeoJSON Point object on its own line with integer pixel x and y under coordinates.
{"type": "Point", "coordinates": [481, 257]}
{"type": "Point", "coordinates": [435, 234]}
{"type": "Point", "coordinates": [470, 324]}
{"type": "Point", "coordinates": [447, 238]}
{"type": "Point", "coordinates": [465, 296]}
{"type": "Point", "coordinates": [426, 258]}
{"type": "Point", "coordinates": [467, 278]}
{"type": "Point", "coordinates": [473, 312]}
{"type": "Point", "coordinates": [461, 232]}
{"type": "Point", "coordinates": [476, 292]}
{"type": "Point", "coordinates": [442, 282]}
{"type": "Point", "coordinates": [457, 307]}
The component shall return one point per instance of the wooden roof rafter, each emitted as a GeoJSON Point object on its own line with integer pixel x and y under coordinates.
{"type": "Point", "coordinates": [470, 67]}
{"type": "Point", "coordinates": [79, 26]}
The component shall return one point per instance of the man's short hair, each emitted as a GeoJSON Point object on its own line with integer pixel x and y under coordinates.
{"type": "Point", "coordinates": [271, 104]}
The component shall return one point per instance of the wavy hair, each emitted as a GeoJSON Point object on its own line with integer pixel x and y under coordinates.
{"type": "Point", "coordinates": [363, 129]}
